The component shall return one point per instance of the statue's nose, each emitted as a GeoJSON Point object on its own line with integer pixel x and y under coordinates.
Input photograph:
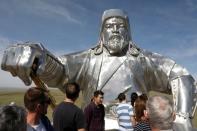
{"type": "Point", "coordinates": [115, 29]}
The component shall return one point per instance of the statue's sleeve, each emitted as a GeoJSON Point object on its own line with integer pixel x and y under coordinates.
{"type": "Point", "coordinates": [183, 88]}
{"type": "Point", "coordinates": [66, 68]}
{"type": "Point", "coordinates": [167, 74]}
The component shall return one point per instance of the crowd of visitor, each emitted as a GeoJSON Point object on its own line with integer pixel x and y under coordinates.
{"type": "Point", "coordinates": [139, 114]}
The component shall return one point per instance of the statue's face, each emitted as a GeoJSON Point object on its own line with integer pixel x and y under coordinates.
{"type": "Point", "coordinates": [115, 35]}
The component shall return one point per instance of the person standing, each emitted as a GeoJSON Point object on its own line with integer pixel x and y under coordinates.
{"type": "Point", "coordinates": [12, 118]}
{"type": "Point", "coordinates": [141, 119]}
{"type": "Point", "coordinates": [160, 113]}
{"type": "Point", "coordinates": [36, 102]}
{"type": "Point", "coordinates": [95, 113]}
{"type": "Point", "coordinates": [67, 116]}
{"type": "Point", "coordinates": [125, 114]}
{"type": "Point", "coordinates": [133, 97]}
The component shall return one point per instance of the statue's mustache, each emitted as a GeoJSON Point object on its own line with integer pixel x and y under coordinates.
{"type": "Point", "coordinates": [115, 38]}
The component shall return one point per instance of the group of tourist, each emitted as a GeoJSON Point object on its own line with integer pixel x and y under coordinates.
{"type": "Point", "coordinates": [66, 116]}
{"type": "Point", "coordinates": [142, 114]}
{"type": "Point", "coordinates": [145, 114]}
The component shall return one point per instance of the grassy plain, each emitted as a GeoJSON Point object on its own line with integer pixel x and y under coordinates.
{"type": "Point", "coordinates": [8, 95]}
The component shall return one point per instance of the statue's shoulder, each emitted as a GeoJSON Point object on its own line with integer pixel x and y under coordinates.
{"type": "Point", "coordinates": [150, 54]}
{"type": "Point", "coordinates": [78, 53]}
{"type": "Point", "coordinates": [74, 56]}
{"type": "Point", "coordinates": [154, 56]}
{"type": "Point", "coordinates": [155, 59]}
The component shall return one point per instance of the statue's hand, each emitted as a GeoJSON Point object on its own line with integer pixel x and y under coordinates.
{"type": "Point", "coordinates": [18, 60]}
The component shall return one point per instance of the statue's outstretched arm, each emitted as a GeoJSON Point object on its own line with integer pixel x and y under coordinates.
{"type": "Point", "coordinates": [19, 58]}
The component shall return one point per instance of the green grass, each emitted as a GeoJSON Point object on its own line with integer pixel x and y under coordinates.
{"type": "Point", "coordinates": [16, 95]}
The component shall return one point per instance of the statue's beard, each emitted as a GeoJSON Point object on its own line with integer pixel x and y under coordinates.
{"type": "Point", "coordinates": [115, 44]}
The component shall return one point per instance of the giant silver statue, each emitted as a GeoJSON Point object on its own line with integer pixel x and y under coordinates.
{"type": "Point", "coordinates": [115, 65]}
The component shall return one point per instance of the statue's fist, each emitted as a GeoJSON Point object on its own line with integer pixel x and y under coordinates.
{"type": "Point", "coordinates": [18, 59]}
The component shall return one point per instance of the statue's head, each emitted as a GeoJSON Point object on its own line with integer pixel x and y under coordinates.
{"type": "Point", "coordinates": [115, 31]}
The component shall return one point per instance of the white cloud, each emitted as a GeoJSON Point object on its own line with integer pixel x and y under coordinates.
{"type": "Point", "coordinates": [51, 9]}
{"type": "Point", "coordinates": [179, 16]}
{"type": "Point", "coordinates": [62, 10]}
{"type": "Point", "coordinates": [181, 48]}
{"type": "Point", "coordinates": [45, 8]}
{"type": "Point", "coordinates": [181, 52]}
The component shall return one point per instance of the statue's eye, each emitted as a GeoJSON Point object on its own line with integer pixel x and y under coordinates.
{"type": "Point", "coordinates": [108, 26]}
{"type": "Point", "coordinates": [121, 25]}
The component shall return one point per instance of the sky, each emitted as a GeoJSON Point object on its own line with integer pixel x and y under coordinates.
{"type": "Point", "coordinates": [167, 27]}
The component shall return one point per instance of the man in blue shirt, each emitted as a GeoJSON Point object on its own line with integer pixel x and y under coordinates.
{"type": "Point", "coordinates": [125, 114]}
